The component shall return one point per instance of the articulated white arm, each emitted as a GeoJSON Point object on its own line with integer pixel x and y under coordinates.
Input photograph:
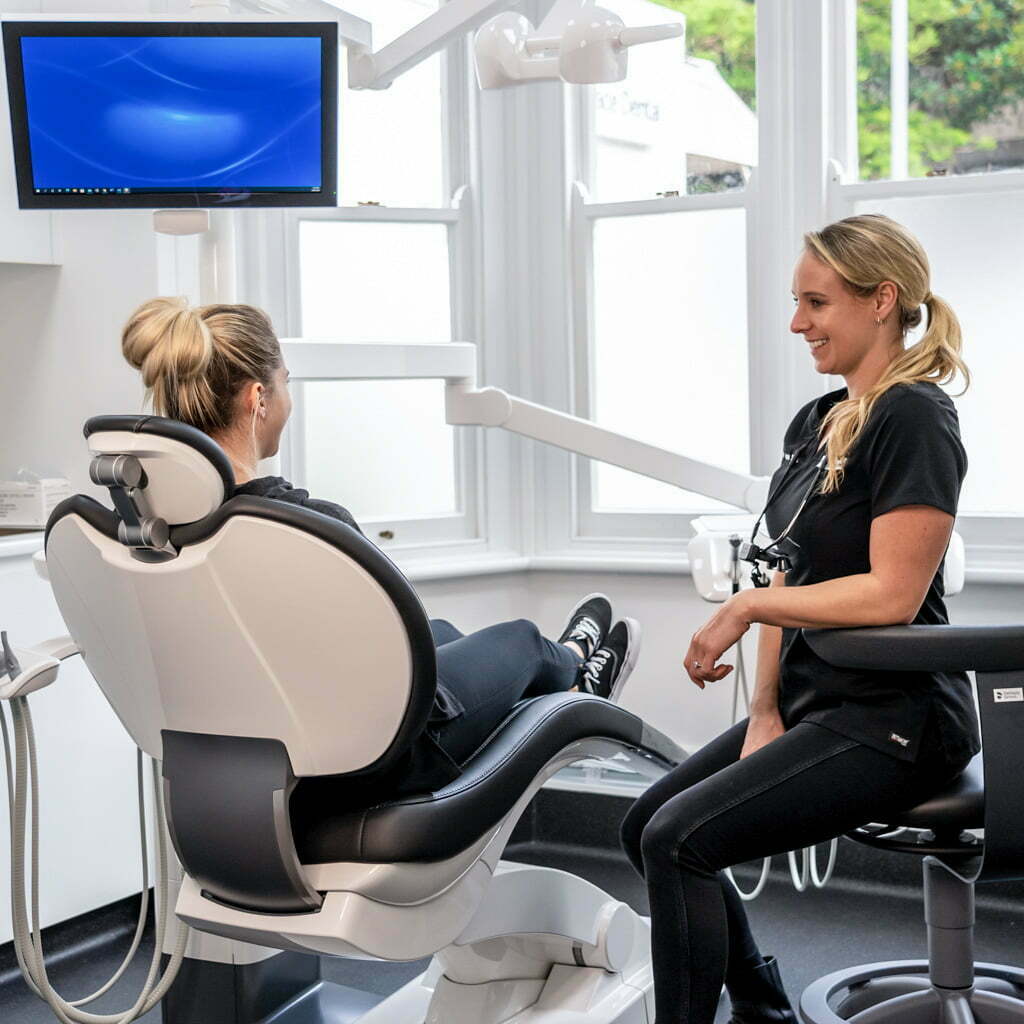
{"type": "Point", "coordinates": [577, 41]}
{"type": "Point", "coordinates": [368, 70]}
{"type": "Point", "coordinates": [491, 407]}
{"type": "Point", "coordinates": [466, 405]}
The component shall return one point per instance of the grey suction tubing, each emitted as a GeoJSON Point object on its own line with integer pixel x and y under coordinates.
{"type": "Point", "coordinates": [21, 766]}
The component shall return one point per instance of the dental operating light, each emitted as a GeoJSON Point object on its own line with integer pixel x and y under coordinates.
{"type": "Point", "coordinates": [577, 42]}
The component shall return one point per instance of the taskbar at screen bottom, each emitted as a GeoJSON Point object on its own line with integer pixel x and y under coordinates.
{"type": "Point", "coordinates": [86, 199]}
{"type": "Point", "coordinates": [262, 190]}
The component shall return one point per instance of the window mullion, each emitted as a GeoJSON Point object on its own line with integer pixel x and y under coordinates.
{"type": "Point", "coordinates": [899, 89]}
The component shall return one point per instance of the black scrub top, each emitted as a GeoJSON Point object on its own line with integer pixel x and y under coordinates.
{"type": "Point", "coordinates": [908, 453]}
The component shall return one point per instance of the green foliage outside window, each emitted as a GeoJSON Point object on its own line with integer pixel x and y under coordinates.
{"type": "Point", "coordinates": [966, 65]}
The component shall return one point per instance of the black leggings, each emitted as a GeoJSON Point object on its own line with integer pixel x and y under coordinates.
{"type": "Point", "coordinates": [715, 810]}
{"type": "Point", "coordinates": [490, 671]}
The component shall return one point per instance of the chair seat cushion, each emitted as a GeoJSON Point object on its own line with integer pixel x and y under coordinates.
{"type": "Point", "coordinates": [435, 826]}
{"type": "Point", "coordinates": [960, 805]}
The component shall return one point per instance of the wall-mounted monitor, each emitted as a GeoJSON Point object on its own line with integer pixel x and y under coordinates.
{"type": "Point", "coordinates": [173, 114]}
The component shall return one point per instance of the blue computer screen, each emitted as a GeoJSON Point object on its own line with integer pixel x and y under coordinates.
{"type": "Point", "coordinates": [169, 114]}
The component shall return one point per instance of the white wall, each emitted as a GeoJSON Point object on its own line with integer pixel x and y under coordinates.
{"type": "Point", "coordinates": [60, 338]}
{"type": "Point", "coordinates": [60, 330]}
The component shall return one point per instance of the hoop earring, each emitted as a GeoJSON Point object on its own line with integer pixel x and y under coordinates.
{"type": "Point", "coordinates": [880, 323]}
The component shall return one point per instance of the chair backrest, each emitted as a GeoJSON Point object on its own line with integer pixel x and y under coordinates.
{"type": "Point", "coordinates": [247, 617]}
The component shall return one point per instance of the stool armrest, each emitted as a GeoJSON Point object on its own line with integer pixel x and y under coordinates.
{"type": "Point", "coordinates": [921, 648]}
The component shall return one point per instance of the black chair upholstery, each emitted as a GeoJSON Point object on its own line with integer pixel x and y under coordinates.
{"type": "Point", "coordinates": [433, 826]}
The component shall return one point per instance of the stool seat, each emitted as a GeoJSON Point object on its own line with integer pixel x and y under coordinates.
{"type": "Point", "coordinates": [959, 805]}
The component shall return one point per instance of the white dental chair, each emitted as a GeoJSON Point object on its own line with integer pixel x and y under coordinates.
{"type": "Point", "coordinates": [282, 669]}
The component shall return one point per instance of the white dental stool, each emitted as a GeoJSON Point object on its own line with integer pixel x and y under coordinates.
{"type": "Point", "coordinates": [280, 667]}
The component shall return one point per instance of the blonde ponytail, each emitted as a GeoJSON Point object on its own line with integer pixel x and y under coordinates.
{"type": "Point", "coordinates": [194, 361]}
{"type": "Point", "coordinates": [865, 251]}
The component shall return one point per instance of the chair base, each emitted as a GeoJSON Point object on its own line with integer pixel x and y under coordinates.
{"type": "Point", "coordinates": [540, 945]}
{"type": "Point", "coordinates": [569, 995]}
{"type": "Point", "coordinates": [900, 992]}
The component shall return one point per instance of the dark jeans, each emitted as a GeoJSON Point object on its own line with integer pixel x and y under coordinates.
{"type": "Point", "coordinates": [715, 810]}
{"type": "Point", "coordinates": [490, 671]}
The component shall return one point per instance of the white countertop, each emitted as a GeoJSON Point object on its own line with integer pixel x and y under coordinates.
{"type": "Point", "coordinates": [17, 545]}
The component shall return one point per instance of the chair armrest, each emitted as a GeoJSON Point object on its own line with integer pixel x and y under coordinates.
{"type": "Point", "coordinates": [921, 648]}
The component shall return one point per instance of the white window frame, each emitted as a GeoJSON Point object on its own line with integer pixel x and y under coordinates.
{"type": "Point", "coordinates": [807, 130]}
{"type": "Point", "coordinates": [274, 277]}
{"type": "Point", "coordinates": [584, 218]}
{"type": "Point", "coordinates": [791, 68]}
{"type": "Point", "coordinates": [995, 543]}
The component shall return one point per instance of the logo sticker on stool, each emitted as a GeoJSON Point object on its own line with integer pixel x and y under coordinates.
{"type": "Point", "coordinates": [1014, 693]}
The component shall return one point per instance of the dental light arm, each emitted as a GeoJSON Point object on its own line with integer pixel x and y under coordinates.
{"type": "Point", "coordinates": [467, 405]}
{"type": "Point", "coordinates": [367, 70]}
{"type": "Point", "coordinates": [491, 407]}
{"type": "Point", "coordinates": [577, 41]}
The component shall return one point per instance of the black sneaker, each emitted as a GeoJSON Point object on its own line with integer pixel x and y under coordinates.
{"type": "Point", "coordinates": [606, 671]}
{"type": "Point", "coordinates": [588, 624]}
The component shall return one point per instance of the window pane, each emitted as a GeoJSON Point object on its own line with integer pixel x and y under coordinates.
{"type": "Point", "coordinates": [670, 347]}
{"type": "Point", "coordinates": [380, 448]}
{"type": "Point", "coordinates": [676, 123]}
{"type": "Point", "coordinates": [375, 282]}
{"type": "Point", "coordinates": [965, 102]}
{"type": "Point", "coordinates": [980, 273]}
{"type": "Point", "coordinates": [391, 140]}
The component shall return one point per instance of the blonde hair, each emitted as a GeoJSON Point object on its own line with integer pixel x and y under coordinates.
{"type": "Point", "coordinates": [865, 251]}
{"type": "Point", "coordinates": [194, 361]}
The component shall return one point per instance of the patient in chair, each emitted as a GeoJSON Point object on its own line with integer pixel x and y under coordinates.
{"type": "Point", "coordinates": [220, 369]}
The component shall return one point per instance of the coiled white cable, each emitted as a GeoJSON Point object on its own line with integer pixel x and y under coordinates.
{"type": "Point", "coordinates": [808, 870]}
{"type": "Point", "coordinates": [22, 780]}
{"type": "Point", "coordinates": [741, 682]}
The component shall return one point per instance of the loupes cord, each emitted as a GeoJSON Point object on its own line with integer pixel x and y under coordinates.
{"type": "Point", "coordinates": [22, 781]}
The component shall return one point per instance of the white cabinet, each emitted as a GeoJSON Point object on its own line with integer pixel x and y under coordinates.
{"type": "Point", "coordinates": [26, 236]}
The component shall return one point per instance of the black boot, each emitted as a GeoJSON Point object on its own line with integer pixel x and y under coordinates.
{"type": "Point", "coordinates": [758, 997]}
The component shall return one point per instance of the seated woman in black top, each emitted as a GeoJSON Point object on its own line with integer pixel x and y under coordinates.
{"type": "Point", "coordinates": [219, 369]}
{"type": "Point", "coordinates": [864, 501]}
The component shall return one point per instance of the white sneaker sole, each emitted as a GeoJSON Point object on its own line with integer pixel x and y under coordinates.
{"type": "Point", "coordinates": [635, 634]}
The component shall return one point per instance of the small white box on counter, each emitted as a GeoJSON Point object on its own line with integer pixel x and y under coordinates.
{"type": "Point", "coordinates": [28, 504]}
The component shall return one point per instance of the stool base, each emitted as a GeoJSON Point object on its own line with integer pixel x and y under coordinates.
{"type": "Point", "coordinates": [900, 992]}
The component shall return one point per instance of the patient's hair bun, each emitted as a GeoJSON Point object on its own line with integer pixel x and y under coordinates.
{"type": "Point", "coordinates": [165, 337]}
{"type": "Point", "coordinates": [194, 360]}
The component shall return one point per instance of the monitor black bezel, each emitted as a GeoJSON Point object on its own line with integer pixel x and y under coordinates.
{"type": "Point", "coordinates": [327, 32]}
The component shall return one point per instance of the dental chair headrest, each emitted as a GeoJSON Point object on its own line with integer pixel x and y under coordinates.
{"type": "Point", "coordinates": [186, 473]}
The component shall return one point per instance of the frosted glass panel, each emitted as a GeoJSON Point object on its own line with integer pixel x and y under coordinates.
{"type": "Point", "coordinates": [391, 140]}
{"type": "Point", "coordinates": [375, 282]}
{"type": "Point", "coordinates": [380, 448]}
{"type": "Point", "coordinates": [976, 252]}
{"type": "Point", "coordinates": [670, 347]}
{"type": "Point", "coordinates": [683, 119]}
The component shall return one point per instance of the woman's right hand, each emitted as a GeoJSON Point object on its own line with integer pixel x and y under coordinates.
{"type": "Point", "coordinates": [761, 730]}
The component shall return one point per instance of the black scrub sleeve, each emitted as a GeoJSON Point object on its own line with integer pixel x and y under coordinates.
{"type": "Point", "coordinates": [913, 451]}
